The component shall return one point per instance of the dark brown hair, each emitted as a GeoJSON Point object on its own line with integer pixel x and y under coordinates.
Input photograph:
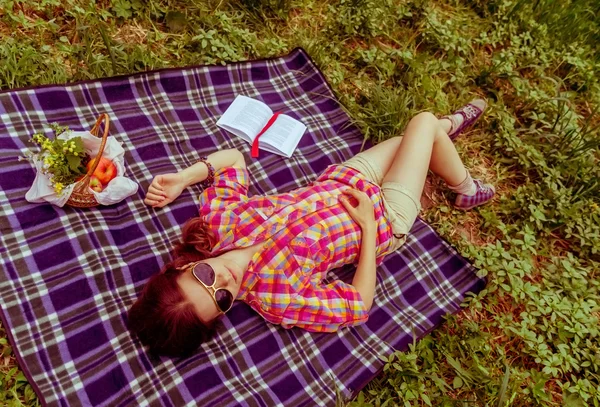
{"type": "Point", "coordinates": [162, 317]}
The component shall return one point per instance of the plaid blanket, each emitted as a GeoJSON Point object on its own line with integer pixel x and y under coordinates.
{"type": "Point", "coordinates": [68, 276]}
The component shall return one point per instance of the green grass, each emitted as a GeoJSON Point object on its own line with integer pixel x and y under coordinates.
{"type": "Point", "coordinates": [531, 338]}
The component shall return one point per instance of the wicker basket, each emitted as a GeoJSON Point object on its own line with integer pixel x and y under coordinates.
{"type": "Point", "coordinates": [82, 197]}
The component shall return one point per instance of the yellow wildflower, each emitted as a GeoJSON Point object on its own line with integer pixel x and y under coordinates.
{"type": "Point", "coordinates": [58, 187]}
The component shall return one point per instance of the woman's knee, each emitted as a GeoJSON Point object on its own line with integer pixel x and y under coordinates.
{"type": "Point", "coordinates": [423, 125]}
{"type": "Point", "coordinates": [425, 117]}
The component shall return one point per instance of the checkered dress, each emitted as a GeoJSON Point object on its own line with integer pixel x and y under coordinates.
{"type": "Point", "coordinates": [307, 232]}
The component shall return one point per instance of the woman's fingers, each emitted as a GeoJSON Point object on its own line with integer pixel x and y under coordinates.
{"type": "Point", "coordinates": [345, 202]}
{"type": "Point", "coordinates": [154, 197]}
{"type": "Point", "coordinates": [352, 191]}
{"type": "Point", "coordinates": [361, 197]}
{"type": "Point", "coordinates": [350, 202]}
{"type": "Point", "coordinates": [353, 211]}
{"type": "Point", "coordinates": [161, 204]}
{"type": "Point", "coordinates": [350, 198]}
{"type": "Point", "coordinates": [156, 191]}
{"type": "Point", "coordinates": [156, 202]}
{"type": "Point", "coordinates": [151, 202]}
{"type": "Point", "coordinates": [156, 186]}
{"type": "Point", "coordinates": [157, 183]}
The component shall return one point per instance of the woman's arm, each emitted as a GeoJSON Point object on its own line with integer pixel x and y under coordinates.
{"type": "Point", "coordinates": [165, 188]}
{"type": "Point", "coordinates": [365, 277]}
{"type": "Point", "coordinates": [220, 159]}
{"type": "Point", "coordinates": [366, 272]}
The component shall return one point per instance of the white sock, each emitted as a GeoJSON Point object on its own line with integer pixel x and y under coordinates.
{"type": "Point", "coordinates": [467, 187]}
{"type": "Point", "coordinates": [456, 120]}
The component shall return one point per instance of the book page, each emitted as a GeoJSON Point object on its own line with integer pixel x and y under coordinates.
{"type": "Point", "coordinates": [245, 118]}
{"type": "Point", "coordinates": [284, 135]}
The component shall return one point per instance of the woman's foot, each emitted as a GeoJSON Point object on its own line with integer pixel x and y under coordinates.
{"type": "Point", "coordinates": [465, 117]}
{"type": "Point", "coordinates": [483, 194]}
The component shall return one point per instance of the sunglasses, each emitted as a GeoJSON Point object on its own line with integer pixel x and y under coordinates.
{"type": "Point", "coordinates": [206, 276]}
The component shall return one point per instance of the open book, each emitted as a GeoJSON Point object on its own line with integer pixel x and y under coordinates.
{"type": "Point", "coordinates": [249, 118]}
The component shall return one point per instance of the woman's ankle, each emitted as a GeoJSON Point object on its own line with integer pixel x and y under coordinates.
{"type": "Point", "coordinates": [445, 124]}
{"type": "Point", "coordinates": [466, 187]}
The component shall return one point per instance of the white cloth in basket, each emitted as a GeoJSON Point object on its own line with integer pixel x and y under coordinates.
{"type": "Point", "coordinates": [117, 189]}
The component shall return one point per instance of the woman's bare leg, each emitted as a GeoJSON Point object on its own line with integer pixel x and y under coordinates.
{"type": "Point", "coordinates": [385, 152]}
{"type": "Point", "coordinates": [425, 145]}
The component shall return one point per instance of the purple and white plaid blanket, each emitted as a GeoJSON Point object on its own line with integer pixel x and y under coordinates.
{"type": "Point", "coordinates": [68, 276]}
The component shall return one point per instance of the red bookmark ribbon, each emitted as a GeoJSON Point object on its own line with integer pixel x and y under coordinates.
{"type": "Point", "coordinates": [255, 142]}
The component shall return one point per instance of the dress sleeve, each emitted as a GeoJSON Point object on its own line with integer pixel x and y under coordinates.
{"type": "Point", "coordinates": [326, 308]}
{"type": "Point", "coordinates": [230, 186]}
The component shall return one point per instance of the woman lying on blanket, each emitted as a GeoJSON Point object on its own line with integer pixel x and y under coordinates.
{"type": "Point", "coordinates": [273, 252]}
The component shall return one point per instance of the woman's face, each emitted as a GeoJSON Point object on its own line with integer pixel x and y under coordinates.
{"type": "Point", "coordinates": [228, 275]}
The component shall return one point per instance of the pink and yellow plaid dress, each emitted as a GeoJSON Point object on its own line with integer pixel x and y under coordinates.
{"type": "Point", "coordinates": [307, 232]}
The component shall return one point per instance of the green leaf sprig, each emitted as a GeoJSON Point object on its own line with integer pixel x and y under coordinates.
{"type": "Point", "coordinates": [63, 160]}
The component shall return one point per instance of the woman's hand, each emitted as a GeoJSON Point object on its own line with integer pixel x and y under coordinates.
{"type": "Point", "coordinates": [363, 212]}
{"type": "Point", "coordinates": [164, 189]}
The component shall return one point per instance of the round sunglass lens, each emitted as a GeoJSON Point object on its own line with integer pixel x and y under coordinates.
{"type": "Point", "coordinates": [205, 273]}
{"type": "Point", "coordinates": [224, 299]}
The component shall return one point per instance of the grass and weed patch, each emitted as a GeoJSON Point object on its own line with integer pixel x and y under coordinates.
{"type": "Point", "coordinates": [15, 391]}
{"type": "Point", "coordinates": [531, 337]}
